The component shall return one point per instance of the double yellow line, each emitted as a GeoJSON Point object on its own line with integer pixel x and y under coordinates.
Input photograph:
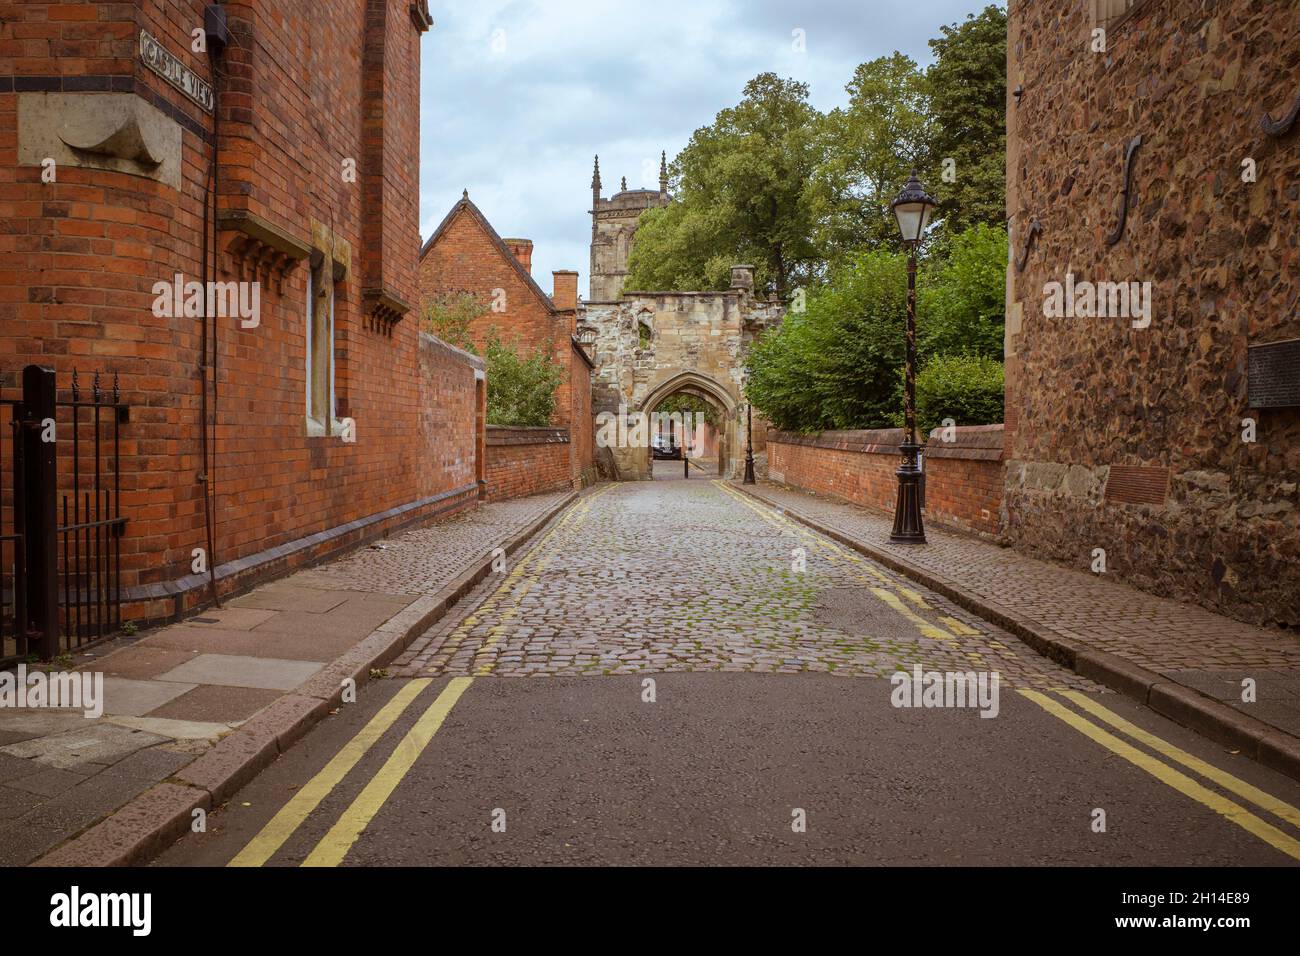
{"type": "Point", "coordinates": [334, 846]}
{"type": "Point", "coordinates": [1179, 781]}
{"type": "Point", "coordinates": [1163, 772]}
{"type": "Point", "coordinates": [867, 574]}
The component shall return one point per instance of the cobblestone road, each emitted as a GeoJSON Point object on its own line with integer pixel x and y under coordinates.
{"type": "Point", "coordinates": [675, 575]}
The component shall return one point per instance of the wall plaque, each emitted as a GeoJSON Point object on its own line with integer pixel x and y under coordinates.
{"type": "Point", "coordinates": [174, 71]}
{"type": "Point", "coordinates": [1273, 374]}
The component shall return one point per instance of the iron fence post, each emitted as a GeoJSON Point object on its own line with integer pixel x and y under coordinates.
{"type": "Point", "coordinates": [40, 519]}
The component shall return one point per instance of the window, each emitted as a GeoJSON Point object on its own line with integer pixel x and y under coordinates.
{"type": "Point", "coordinates": [320, 347]}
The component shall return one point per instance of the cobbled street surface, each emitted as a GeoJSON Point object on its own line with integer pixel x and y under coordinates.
{"type": "Point", "coordinates": [678, 575]}
{"type": "Point", "coordinates": [712, 687]}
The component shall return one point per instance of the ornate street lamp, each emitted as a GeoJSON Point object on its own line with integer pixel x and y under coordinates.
{"type": "Point", "coordinates": [912, 209]}
{"type": "Point", "coordinates": [749, 444]}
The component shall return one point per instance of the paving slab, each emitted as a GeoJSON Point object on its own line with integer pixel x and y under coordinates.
{"type": "Point", "coordinates": [15, 802]}
{"type": "Point", "coordinates": [142, 661]}
{"type": "Point", "coordinates": [98, 743]}
{"type": "Point", "coordinates": [39, 723]}
{"type": "Point", "coordinates": [48, 782]}
{"type": "Point", "coordinates": [213, 704]}
{"type": "Point", "coordinates": [304, 644]}
{"type": "Point", "coordinates": [241, 671]}
{"type": "Point", "coordinates": [351, 620]}
{"type": "Point", "coordinates": [284, 597]}
{"type": "Point", "coordinates": [12, 767]}
{"type": "Point", "coordinates": [232, 618]}
{"type": "Point", "coordinates": [173, 729]}
{"type": "Point", "coordinates": [135, 698]}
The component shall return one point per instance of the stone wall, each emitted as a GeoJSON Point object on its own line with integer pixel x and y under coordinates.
{"type": "Point", "coordinates": [963, 478]}
{"type": "Point", "coordinates": [1129, 437]}
{"type": "Point", "coordinates": [526, 461]}
{"type": "Point", "coordinates": [651, 345]}
{"type": "Point", "coordinates": [83, 252]}
{"type": "Point", "coordinates": [613, 229]}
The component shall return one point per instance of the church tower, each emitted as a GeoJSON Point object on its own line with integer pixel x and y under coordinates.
{"type": "Point", "coordinates": [613, 225]}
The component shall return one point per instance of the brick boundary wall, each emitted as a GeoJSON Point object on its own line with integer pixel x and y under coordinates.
{"type": "Point", "coordinates": [525, 461]}
{"type": "Point", "coordinates": [963, 477]}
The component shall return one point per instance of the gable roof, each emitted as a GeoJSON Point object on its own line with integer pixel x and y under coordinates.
{"type": "Point", "coordinates": [466, 206]}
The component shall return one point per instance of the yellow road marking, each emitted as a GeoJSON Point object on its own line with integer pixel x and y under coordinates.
{"type": "Point", "coordinates": [961, 627]}
{"type": "Point", "coordinates": [290, 816]}
{"type": "Point", "coordinates": [913, 596]}
{"type": "Point", "coordinates": [1173, 778]}
{"type": "Point", "coordinates": [335, 845]}
{"type": "Point", "coordinates": [458, 635]}
{"type": "Point", "coordinates": [932, 631]}
{"type": "Point", "coordinates": [481, 664]}
{"type": "Point", "coordinates": [1224, 779]}
{"type": "Point", "coordinates": [926, 628]}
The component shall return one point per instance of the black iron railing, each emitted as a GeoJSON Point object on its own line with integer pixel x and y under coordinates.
{"type": "Point", "coordinates": [61, 524]}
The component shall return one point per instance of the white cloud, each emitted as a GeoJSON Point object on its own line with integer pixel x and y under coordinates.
{"type": "Point", "coordinates": [517, 95]}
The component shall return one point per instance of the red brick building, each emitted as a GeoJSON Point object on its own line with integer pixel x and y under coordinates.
{"type": "Point", "coordinates": [466, 256]}
{"type": "Point", "coordinates": [331, 417]}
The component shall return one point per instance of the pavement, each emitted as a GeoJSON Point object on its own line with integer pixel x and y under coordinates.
{"type": "Point", "coordinates": [674, 673]}
{"type": "Point", "coordinates": [275, 657]}
{"type": "Point", "coordinates": [1182, 660]}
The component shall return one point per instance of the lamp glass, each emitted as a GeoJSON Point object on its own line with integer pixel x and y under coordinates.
{"type": "Point", "coordinates": [913, 217]}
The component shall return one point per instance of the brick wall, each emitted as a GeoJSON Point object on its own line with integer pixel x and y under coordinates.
{"type": "Point", "coordinates": [82, 254]}
{"type": "Point", "coordinates": [526, 461]}
{"type": "Point", "coordinates": [466, 255]}
{"type": "Point", "coordinates": [582, 448]}
{"type": "Point", "coordinates": [963, 484]}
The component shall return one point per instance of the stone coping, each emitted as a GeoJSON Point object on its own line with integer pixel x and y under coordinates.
{"type": "Point", "coordinates": [500, 435]}
{"type": "Point", "coordinates": [971, 442]}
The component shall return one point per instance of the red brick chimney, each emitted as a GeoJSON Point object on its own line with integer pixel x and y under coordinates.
{"type": "Point", "coordinates": [521, 249]}
{"type": "Point", "coordinates": [565, 295]}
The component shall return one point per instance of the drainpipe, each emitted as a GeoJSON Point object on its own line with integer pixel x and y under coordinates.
{"type": "Point", "coordinates": [217, 35]}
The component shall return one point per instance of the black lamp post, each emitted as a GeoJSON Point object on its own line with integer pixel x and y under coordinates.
{"type": "Point", "coordinates": [912, 209]}
{"type": "Point", "coordinates": [749, 444]}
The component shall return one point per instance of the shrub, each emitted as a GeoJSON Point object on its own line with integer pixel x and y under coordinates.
{"type": "Point", "coordinates": [520, 389]}
{"type": "Point", "coordinates": [833, 365]}
{"type": "Point", "coordinates": [961, 300]}
{"type": "Point", "coordinates": [965, 388]}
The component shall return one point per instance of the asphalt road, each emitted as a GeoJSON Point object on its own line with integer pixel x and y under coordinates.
{"type": "Point", "coordinates": [772, 736]}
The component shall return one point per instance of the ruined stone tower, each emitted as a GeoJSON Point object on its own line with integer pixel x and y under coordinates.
{"type": "Point", "coordinates": [613, 224]}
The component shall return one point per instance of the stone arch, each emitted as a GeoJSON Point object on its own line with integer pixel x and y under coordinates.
{"type": "Point", "coordinates": [710, 390]}
{"type": "Point", "coordinates": [694, 383]}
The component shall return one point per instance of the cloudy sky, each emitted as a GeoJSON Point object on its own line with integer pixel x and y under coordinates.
{"type": "Point", "coordinates": [517, 95]}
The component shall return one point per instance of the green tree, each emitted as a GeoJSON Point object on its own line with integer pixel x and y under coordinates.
{"type": "Point", "coordinates": [450, 315]}
{"type": "Point", "coordinates": [968, 82]}
{"type": "Point", "coordinates": [682, 403]}
{"type": "Point", "coordinates": [741, 195]}
{"type": "Point", "coordinates": [871, 145]}
{"type": "Point", "coordinates": [965, 388]}
{"type": "Point", "coordinates": [834, 365]}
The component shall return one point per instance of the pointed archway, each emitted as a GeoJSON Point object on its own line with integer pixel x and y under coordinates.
{"type": "Point", "coordinates": [715, 393]}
